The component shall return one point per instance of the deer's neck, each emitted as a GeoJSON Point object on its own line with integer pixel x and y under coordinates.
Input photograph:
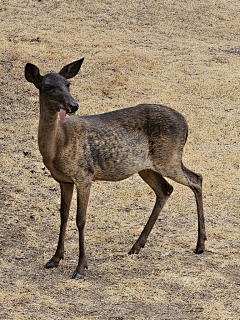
{"type": "Point", "coordinates": [48, 133]}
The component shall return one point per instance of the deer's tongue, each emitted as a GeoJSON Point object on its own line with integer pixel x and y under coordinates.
{"type": "Point", "coordinates": [62, 115]}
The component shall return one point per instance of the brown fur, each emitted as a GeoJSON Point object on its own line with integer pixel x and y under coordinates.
{"type": "Point", "coordinates": [146, 139]}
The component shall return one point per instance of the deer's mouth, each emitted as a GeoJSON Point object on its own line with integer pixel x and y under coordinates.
{"type": "Point", "coordinates": [62, 115]}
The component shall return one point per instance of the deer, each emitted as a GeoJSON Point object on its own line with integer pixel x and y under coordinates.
{"type": "Point", "coordinates": [147, 139]}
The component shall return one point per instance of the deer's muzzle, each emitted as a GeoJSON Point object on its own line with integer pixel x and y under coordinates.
{"type": "Point", "coordinates": [72, 107]}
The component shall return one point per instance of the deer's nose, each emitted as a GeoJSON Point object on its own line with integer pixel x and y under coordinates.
{"type": "Point", "coordinates": [73, 106]}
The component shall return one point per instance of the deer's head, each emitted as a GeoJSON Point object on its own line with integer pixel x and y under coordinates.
{"type": "Point", "coordinates": [54, 87]}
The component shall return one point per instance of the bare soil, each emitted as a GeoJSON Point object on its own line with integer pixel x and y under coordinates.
{"type": "Point", "coordinates": [184, 54]}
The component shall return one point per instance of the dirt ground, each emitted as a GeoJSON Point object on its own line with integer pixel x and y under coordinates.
{"type": "Point", "coordinates": [185, 54]}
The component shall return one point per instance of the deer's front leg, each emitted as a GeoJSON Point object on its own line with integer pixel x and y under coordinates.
{"type": "Point", "coordinates": [82, 202]}
{"type": "Point", "coordinates": [66, 197]}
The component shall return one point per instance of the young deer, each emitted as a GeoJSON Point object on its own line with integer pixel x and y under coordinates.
{"type": "Point", "coordinates": [146, 139]}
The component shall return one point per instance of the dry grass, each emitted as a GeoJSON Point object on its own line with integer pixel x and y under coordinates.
{"type": "Point", "coordinates": [181, 53]}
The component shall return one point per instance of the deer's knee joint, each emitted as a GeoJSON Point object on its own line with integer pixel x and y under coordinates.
{"type": "Point", "coordinates": [168, 189]}
{"type": "Point", "coordinates": [198, 185]}
{"type": "Point", "coordinates": [80, 223]}
{"type": "Point", "coordinates": [199, 179]}
{"type": "Point", "coordinates": [195, 182]}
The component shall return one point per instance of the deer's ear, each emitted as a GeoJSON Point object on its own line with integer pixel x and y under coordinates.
{"type": "Point", "coordinates": [70, 70]}
{"type": "Point", "coordinates": [32, 74]}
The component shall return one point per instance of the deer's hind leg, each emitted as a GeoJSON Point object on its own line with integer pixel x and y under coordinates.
{"type": "Point", "coordinates": [163, 191]}
{"type": "Point", "coordinates": [194, 181]}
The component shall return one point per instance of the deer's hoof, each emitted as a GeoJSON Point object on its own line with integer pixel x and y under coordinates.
{"type": "Point", "coordinates": [131, 251]}
{"type": "Point", "coordinates": [198, 250]}
{"type": "Point", "coordinates": [50, 264]}
{"type": "Point", "coordinates": [134, 251]}
{"type": "Point", "coordinates": [77, 276]}
{"type": "Point", "coordinates": [136, 248]}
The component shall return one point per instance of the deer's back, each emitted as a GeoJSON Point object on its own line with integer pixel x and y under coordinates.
{"type": "Point", "coordinates": [150, 119]}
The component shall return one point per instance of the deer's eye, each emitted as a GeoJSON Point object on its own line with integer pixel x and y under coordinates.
{"type": "Point", "coordinates": [47, 87]}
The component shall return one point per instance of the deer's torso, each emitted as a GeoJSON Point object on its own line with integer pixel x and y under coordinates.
{"type": "Point", "coordinates": [111, 146]}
